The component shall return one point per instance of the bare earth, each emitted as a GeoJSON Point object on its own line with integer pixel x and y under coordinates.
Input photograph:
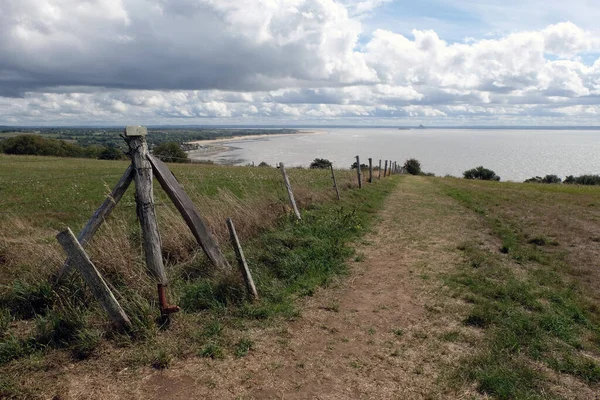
{"type": "Point", "coordinates": [376, 334]}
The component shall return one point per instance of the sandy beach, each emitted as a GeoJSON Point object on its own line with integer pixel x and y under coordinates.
{"type": "Point", "coordinates": [235, 138]}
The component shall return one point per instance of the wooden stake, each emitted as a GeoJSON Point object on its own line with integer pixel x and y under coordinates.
{"type": "Point", "coordinates": [289, 190]}
{"type": "Point", "coordinates": [358, 172]}
{"type": "Point", "coordinates": [239, 253]}
{"type": "Point", "coordinates": [145, 207]}
{"type": "Point", "coordinates": [188, 211]}
{"type": "Point", "coordinates": [337, 192]}
{"type": "Point", "coordinates": [81, 261]}
{"type": "Point", "coordinates": [98, 217]}
{"type": "Point", "coordinates": [385, 170]}
{"type": "Point", "coordinates": [370, 170]}
{"type": "Point", "coordinates": [379, 171]}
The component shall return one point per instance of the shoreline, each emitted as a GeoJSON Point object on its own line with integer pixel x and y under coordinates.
{"type": "Point", "coordinates": [235, 138]}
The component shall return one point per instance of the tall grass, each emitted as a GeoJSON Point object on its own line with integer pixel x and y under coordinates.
{"type": "Point", "coordinates": [288, 258]}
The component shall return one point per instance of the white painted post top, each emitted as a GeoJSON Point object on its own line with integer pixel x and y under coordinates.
{"type": "Point", "coordinates": [136, 130]}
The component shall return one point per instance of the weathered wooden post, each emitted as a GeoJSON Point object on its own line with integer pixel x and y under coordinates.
{"type": "Point", "coordinates": [370, 170]}
{"type": "Point", "coordinates": [289, 190]}
{"type": "Point", "coordinates": [358, 172]}
{"type": "Point", "coordinates": [80, 260]}
{"type": "Point", "coordinates": [239, 253]}
{"type": "Point", "coordinates": [379, 171]}
{"type": "Point", "coordinates": [98, 217]}
{"type": "Point", "coordinates": [386, 167]}
{"type": "Point", "coordinates": [337, 192]}
{"type": "Point", "coordinates": [188, 211]}
{"type": "Point", "coordinates": [135, 138]}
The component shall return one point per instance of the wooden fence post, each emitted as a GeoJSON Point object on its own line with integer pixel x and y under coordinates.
{"type": "Point", "coordinates": [98, 217]}
{"type": "Point", "coordinates": [370, 170]}
{"type": "Point", "coordinates": [145, 202]}
{"type": "Point", "coordinates": [239, 253]}
{"type": "Point", "coordinates": [91, 276]}
{"type": "Point", "coordinates": [188, 211]}
{"type": "Point", "coordinates": [379, 171]}
{"type": "Point", "coordinates": [337, 192]}
{"type": "Point", "coordinates": [358, 172]}
{"type": "Point", "coordinates": [386, 167]}
{"type": "Point", "coordinates": [289, 190]}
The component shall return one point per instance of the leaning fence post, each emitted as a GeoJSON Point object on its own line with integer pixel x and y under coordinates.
{"type": "Point", "coordinates": [337, 192]}
{"type": "Point", "coordinates": [370, 170]}
{"type": "Point", "coordinates": [358, 172]}
{"type": "Point", "coordinates": [239, 253]}
{"type": "Point", "coordinates": [188, 211]}
{"type": "Point", "coordinates": [289, 190]}
{"type": "Point", "coordinates": [91, 276]}
{"type": "Point", "coordinates": [379, 170]}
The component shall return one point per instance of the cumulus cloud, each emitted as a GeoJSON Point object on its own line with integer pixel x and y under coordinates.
{"type": "Point", "coordinates": [162, 61]}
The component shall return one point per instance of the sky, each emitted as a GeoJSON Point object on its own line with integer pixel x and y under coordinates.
{"type": "Point", "coordinates": [297, 62]}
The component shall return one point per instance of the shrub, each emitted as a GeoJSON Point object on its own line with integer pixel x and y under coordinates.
{"type": "Point", "coordinates": [481, 173]}
{"type": "Point", "coordinates": [171, 152]}
{"type": "Point", "coordinates": [320, 163]}
{"type": "Point", "coordinates": [362, 166]}
{"type": "Point", "coordinates": [583, 180]}
{"type": "Point", "coordinates": [263, 164]}
{"type": "Point", "coordinates": [545, 179]}
{"type": "Point", "coordinates": [111, 153]}
{"type": "Point", "coordinates": [412, 166]}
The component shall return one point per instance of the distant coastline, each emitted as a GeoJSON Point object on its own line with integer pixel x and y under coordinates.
{"type": "Point", "coordinates": [212, 147]}
{"type": "Point", "coordinates": [243, 137]}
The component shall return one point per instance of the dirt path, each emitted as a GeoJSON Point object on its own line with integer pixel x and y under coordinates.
{"type": "Point", "coordinates": [382, 333]}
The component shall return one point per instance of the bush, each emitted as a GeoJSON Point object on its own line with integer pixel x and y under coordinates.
{"type": "Point", "coordinates": [111, 153]}
{"type": "Point", "coordinates": [171, 152]}
{"type": "Point", "coordinates": [362, 166]}
{"type": "Point", "coordinates": [583, 180]}
{"type": "Point", "coordinates": [412, 166]}
{"type": "Point", "coordinates": [481, 173]}
{"type": "Point", "coordinates": [263, 164]}
{"type": "Point", "coordinates": [545, 179]}
{"type": "Point", "coordinates": [320, 163]}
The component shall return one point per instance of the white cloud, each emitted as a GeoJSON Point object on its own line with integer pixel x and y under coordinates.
{"type": "Point", "coordinates": [157, 61]}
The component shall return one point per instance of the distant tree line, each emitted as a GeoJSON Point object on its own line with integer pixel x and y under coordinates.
{"type": "Point", "coordinates": [36, 145]}
{"type": "Point", "coordinates": [39, 146]}
{"type": "Point", "coordinates": [569, 180]}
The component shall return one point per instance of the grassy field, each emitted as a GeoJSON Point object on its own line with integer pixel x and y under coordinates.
{"type": "Point", "coordinates": [533, 288]}
{"type": "Point", "coordinates": [507, 274]}
{"type": "Point", "coordinates": [42, 327]}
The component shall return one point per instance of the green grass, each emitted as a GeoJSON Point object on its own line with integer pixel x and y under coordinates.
{"type": "Point", "coordinates": [524, 298]}
{"type": "Point", "coordinates": [288, 259]}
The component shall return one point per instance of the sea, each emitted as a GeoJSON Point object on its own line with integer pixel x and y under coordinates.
{"type": "Point", "coordinates": [514, 154]}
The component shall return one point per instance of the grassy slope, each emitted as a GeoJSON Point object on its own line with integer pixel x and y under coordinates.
{"type": "Point", "coordinates": [288, 258]}
{"type": "Point", "coordinates": [532, 286]}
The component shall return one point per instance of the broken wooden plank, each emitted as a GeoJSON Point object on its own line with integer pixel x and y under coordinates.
{"type": "Point", "coordinates": [91, 276]}
{"type": "Point", "coordinates": [239, 253]}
